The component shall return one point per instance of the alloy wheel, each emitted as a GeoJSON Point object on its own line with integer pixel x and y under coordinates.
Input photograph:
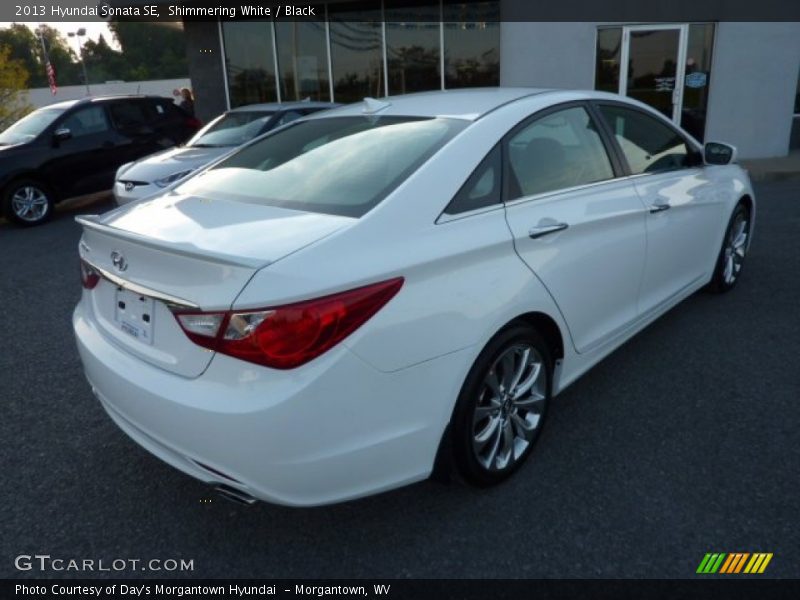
{"type": "Point", "coordinates": [510, 407]}
{"type": "Point", "coordinates": [29, 203]}
{"type": "Point", "coordinates": [735, 248]}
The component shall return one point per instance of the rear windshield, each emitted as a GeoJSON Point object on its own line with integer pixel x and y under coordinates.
{"type": "Point", "coordinates": [231, 129]}
{"type": "Point", "coordinates": [341, 165]}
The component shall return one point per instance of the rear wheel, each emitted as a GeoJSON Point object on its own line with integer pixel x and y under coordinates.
{"type": "Point", "coordinates": [27, 202]}
{"type": "Point", "coordinates": [501, 407]}
{"type": "Point", "coordinates": [732, 254]}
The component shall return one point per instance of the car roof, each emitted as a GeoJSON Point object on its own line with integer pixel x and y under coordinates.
{"type": "Point", "coordinates": [66, 104]}
{"type": "Point", "coordinates": [276, 106]}
{"type": "Point", "coordinates": [469, 104]}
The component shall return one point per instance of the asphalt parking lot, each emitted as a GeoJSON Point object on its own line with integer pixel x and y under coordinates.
{"type": "Point", "coordinates": [684, 441]}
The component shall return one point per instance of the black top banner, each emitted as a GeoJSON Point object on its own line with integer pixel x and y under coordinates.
{"type": "Point", "coordinates": [616, 11]}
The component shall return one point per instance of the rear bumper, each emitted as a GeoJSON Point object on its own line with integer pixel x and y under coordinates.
{"type": "Point", "coordinates": [332, 430]}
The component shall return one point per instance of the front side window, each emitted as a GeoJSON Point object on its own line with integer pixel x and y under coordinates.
{"type": "Point", "coordinates": [648, 144]}
{"type": "Point", "coordinates": [86, 121]}
{"type": "Point", "coordinates": [560, 150]}
{"type": "Point", "coordinates": [341, 166]}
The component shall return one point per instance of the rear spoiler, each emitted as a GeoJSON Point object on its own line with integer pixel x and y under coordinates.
{"type": "Point", "coordinates": [93, 222]}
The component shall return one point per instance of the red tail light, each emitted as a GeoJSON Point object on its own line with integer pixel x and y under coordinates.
{"type": "Point", "coordinates": [193, 123]}
{"type": "Point", "coordinates": [288, 336]}
{"type": "Point", "coordinates": [89, 277]}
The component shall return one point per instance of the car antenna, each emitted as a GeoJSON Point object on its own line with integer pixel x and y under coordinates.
{"type": "Point", "coordinates": [371, 105]}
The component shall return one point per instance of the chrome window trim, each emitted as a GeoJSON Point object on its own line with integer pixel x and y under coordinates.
{"type": "Point", "coordinates": [444, 218]}
{"type": "Point", "coordinates": [575, 188]}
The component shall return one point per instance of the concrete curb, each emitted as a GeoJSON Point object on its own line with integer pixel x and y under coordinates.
{"type": "Point", "coordinates": [782, 168]}
{"type": "Point", "coordinates": [765, 176]}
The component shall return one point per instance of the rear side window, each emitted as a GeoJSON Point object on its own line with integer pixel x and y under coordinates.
{"type": "Point", "coordinates": [483, 187]}
{"type": "Point", "coordinates": [162, 110]}
{"type": "Point", "coordinates": [648, 144]}
{"type": "Point", "coordinates": [560, 150]}
{"type": "Point", "coordinates": [128, 115]}
{"type": "Point", "coordinates": [342, 166]}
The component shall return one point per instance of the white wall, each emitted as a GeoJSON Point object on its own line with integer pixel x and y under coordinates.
{"type": "Point", "coordinates": [549, 55]}
{"type": "Point", "coordinates": [753, 83]}
{"type": "Point", "coordinates": [753, 75]}
{"type": "Point", "coordinates": [39, 97]}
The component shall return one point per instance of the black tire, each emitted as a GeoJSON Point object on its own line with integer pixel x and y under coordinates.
{"type": "Point", "coordinates": [473, 459]}
{"type": "Point", "coordinates": [730, 256]}
{"type": "Point", "coordinates": [39, 212]}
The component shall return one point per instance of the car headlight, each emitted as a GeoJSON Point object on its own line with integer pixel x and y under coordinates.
{"type": "Point", "coordinates": [170, 179]}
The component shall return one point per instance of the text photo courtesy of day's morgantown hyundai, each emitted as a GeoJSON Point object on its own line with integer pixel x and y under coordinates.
{"type": "Point", "coordinates": [403, 298]}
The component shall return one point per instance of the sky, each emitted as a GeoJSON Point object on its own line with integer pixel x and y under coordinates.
{"type": "Point", "coordinates": [93, 31]}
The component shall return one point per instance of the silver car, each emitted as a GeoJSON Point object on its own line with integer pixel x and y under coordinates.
{"type": "Point", "coordinates": [149, 175]}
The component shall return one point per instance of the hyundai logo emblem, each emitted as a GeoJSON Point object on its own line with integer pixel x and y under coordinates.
{"type": "Point", "coordinates": [128, 186]}
{"type": "Point", "coordinates": [119, 262]}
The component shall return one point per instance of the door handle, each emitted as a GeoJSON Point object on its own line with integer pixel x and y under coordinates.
{"type": "Point", "coordinates": [657, 208]}
{"type": "Point", "coordinates": [542, 230]}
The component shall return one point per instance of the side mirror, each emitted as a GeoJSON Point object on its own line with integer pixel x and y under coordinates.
{"type": "Point", "coordinates": [717, 153]}
{"type": "Point", "coordinates": [61, 134]}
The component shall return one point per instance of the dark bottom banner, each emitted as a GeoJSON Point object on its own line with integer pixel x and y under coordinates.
{"type": "Point", "coordinates": [397, 589]}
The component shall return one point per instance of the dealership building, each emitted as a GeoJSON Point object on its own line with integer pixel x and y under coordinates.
{"type": "Point", "coordinates": [728, 81]}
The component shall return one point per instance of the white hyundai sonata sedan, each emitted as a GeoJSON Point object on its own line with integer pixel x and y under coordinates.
{"type": "Point", "coordinates": [340, 307]}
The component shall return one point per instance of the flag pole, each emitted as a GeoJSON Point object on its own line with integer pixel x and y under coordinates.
{"type": "Point", "coordinates": [49, 71]}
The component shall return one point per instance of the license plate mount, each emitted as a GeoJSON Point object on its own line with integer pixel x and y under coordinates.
{"type": "Point", "coordinates": [134, 314]}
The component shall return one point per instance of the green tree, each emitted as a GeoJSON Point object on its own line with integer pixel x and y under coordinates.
{"type": "Point", "coordinates": [27, 48]}
{"type": "Point", "coordinates": [103, 63]}
{"type": "Point", "coordinates": [151, 50]}
{"type": "Point", "coordinates": [13, 83]}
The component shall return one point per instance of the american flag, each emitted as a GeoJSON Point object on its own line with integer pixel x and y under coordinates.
{"type": "Point", "coordinates": [51, 78]}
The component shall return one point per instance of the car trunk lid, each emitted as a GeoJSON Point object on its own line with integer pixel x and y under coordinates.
{"type": "Point", "coordinates": [185, 253]}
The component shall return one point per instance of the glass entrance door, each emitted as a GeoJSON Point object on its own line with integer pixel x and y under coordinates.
{"type": "Point", "coordinates": [656, 66]}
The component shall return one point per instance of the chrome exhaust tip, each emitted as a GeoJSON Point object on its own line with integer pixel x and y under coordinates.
{"type": "Point", "coordinates": [236, 496]}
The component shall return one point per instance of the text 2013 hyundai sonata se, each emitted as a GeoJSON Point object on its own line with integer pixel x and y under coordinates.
{"type": "Point", "coordinates": [343, 304]}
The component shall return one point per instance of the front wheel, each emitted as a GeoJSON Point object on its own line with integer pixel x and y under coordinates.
{"type": "Point", "coordinates": [27, 202]}
{"type": "Point", "coordinates": [501, 407]}
{"type": "Point", "coordinates": [732, 254]}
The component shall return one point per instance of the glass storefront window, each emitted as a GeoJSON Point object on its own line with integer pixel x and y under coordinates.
{"type": "Point", "coordinates": [797, 97]}
{"type": "Point", "coordinates": [471, 44]}
{"type": "Point", "coordinates": [697, 79]}
{"type": "Point", "coordinates": [249, 62]}
{"type": "Point", "coordinates": [302, 60]}
{"type": "Point", "coordinates": [412, 46]}
{"type": "Point", "coordinates": [609, 48]}
{"type": "Point", "coordinates": [356, 51]}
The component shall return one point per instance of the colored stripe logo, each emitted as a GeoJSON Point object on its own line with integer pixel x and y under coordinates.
{"type": "Point", "coordinates": [734, 563]}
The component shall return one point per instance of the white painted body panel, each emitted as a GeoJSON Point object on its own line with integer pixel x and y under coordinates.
{"type": "Point", "coordinates": [368, 415]}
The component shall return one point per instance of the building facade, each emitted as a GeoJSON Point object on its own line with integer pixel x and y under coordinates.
{"type": "Point", "coordinates": [736, 82]}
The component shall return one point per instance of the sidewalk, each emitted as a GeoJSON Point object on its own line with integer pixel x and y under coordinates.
{"type": "Point", "coordinates": [774, 169]}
